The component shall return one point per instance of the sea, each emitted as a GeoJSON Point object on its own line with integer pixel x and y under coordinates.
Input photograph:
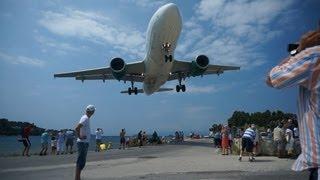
{"type": "Point", "coordinates": [9, 145]}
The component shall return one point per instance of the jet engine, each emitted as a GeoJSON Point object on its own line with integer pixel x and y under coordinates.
{"type": "Point", "coordinates": [199, 65]}
{"type": "Point", "coordinates": [118, 67]}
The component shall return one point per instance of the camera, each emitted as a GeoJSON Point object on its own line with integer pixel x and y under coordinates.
{"type": "Point", "coordinates": [292, 49]}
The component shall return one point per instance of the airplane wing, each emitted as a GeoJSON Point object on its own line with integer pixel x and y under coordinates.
{"type": "Point", "coordinates": [133, 72]}
{"type": "Point", "coordinates": [183, 69]}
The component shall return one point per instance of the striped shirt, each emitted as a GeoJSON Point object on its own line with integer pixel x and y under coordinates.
{"type": "Point", "coordinates": [304, 70]}
{"type": "Point", "coordinates": [249, 133]}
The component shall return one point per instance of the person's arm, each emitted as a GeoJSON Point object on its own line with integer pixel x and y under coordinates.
{"type": "Point", "coordinates": [77, 130]}
{"type": "Point", "coordinates": [297, 69]}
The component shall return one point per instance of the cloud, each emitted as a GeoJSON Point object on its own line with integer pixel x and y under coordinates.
{"type": "Point", "coordinates": [21, 60]}
{"type": "Point", "coordinates": [147, 3]}
{"type": "Point", "coordinates": [231, 32]}
{"type": "Point", "coordinates": [60, 47]}
{"type": "Point", "coordinates": [95, 27]}
{"type": "Point", "coordinates": [201, 89]}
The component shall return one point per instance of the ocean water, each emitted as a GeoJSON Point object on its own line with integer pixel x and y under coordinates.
{"type": "Point", "coordinates": [9, 145]}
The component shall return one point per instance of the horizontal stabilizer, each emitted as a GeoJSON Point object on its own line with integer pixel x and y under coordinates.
{"type": "Point", "coordinates": [126, 92]}
{"type": "Point", "coordinates": [164, 89]}
{"type": "Point", "coordinates": [141, 90]}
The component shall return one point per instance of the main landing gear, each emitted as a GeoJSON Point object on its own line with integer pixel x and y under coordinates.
{"type": "Point", "coordinates": [132, 89]}
{"type": "Point", "coordinates": [167, 48]}
{"type": "Point", "coordinates": [180, 86]}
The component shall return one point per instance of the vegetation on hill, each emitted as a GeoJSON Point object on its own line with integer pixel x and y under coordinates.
{"type": "Point", "coordinates": [9, 128]}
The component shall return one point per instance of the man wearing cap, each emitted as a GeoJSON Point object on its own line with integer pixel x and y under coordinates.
{"type": "Point", "coordinates": [83, 133]}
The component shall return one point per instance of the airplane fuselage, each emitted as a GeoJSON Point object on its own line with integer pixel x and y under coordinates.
{"type": "Point", "coordinates": [164, 27]}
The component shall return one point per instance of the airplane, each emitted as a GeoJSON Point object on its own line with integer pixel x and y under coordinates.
{"type": "Point", "coordinates": [159, 65]}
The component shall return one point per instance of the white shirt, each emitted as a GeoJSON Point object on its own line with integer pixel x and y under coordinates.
{"type": "Point", "coordinates": [85, 129]}
{"type": "Point", "coordinates": [249, 133]}
{"type": "Point", "coordinates": [99, 134]}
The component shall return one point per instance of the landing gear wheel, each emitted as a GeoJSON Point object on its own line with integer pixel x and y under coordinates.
{"type": "Point", "coordinates": [178, 88]}
{"type": "Point", "coordinates": [168, 58]}
{"type": "Point", "coordinates": [129, 91]}
{"type": "Point", "coordinates": [183, 88]}
{"type": "Point", "coordinates": [135, 90]}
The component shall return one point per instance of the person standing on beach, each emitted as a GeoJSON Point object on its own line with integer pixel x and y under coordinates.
{"type": "Point", "coordinates": [247, 142]}
{"type": "Point", "coordinates": [122, 138]}
{"type": "Point", "coordinates": [140, 139]}
{"type": "Point", "coordinates": [69, 141]}
{"type": "Point", "coordinates": [144, 137]}
{"type": "Point", "coordinates": [53, 145]}
{"type": "Point", "coordinates": [44, 143]}
{"type": "Point", "coordinates": [60, 142]}
{"type": "Point", "coordinates": [99, 133]}
{"type": "Point", "coordinates": [302, 69]}
{"type": "Point", "coordinates": [83, 133]}
{"type": "Point", "coordinates": [278, 140]}
{"type": "Point", "coordinates": [25, 139]}
{"type": "Point", "coordinates": [225, 140]}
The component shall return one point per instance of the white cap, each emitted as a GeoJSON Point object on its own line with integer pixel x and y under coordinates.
{"type": "Point", "coordinates": [90, 108]}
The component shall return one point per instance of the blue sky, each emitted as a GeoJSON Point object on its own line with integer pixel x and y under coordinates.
{"type": "Point", "coordinates": [39, 38]}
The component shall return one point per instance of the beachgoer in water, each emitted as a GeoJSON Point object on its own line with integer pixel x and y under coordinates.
{"type": "Point", "coordinates": [44, 143]}
{"type": "Point", "coordinates": [83, 134]}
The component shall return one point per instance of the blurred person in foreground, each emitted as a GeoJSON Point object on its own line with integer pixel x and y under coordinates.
{"type": "Point", "coordinates": [83, 133]}
{"type": "Point", "coordinates": [302, 69]}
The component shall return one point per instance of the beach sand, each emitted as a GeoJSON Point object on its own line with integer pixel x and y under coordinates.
{"type": "Point", "coordinates": [194, 159]}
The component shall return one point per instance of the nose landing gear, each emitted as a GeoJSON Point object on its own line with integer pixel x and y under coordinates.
{"type": "Point", "coordinates": [167, 48]}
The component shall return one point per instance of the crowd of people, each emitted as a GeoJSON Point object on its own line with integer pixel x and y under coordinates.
{"type": "Point", "coordinates": [285, 138]}
{"type": "Point", "coordinates": [57, 143]}
{"type": "Point", "coordinates": [61, 142]}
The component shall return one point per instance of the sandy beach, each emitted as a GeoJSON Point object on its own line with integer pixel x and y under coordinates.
{"type": "Point", "coordinates": [195, 159]}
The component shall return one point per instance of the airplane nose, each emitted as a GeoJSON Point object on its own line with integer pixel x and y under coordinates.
{"type": "Point", "coordinates": [171, 9]}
